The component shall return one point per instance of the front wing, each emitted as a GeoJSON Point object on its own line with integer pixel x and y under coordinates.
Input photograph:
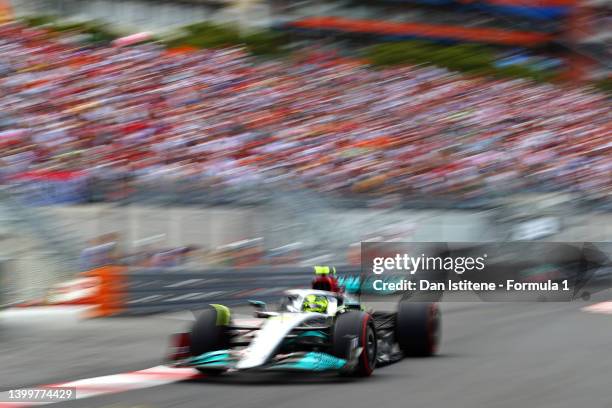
{"type": "Point", "coordinates": [296, 361]}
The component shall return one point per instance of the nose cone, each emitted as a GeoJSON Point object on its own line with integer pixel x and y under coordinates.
{"type": "Point", "coordinates": [269, 337]}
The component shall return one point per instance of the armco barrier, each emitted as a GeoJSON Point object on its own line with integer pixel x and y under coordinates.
{"type": "Point", "coordinates": [145, 291]}
{"type": "Point", "coordinates": [155, 290]}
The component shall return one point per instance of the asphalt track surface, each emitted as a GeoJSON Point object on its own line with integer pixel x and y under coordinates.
{"type": "Point", "coordinates": [493, 355]}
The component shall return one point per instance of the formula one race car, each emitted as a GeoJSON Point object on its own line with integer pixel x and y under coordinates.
{"type": "Point", "coordinates": [318, 329]}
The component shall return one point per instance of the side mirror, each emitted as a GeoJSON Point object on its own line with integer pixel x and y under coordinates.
{"type": "Point", "coordinates": [259, 305]}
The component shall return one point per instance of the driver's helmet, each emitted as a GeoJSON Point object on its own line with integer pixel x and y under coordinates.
{"type": "Point", "coordinates": [315, 303]}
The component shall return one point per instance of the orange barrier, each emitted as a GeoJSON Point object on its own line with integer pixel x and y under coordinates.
{"type": "Point", "coordinates": [486, 35]}
{"type": "Point", "coordinates": [109, 299]}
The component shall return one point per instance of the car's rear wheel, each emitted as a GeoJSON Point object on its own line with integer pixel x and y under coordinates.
{"type": "Point", "coordinates": [417, 328]}
{"type": "Point", "coordinates": [209, 333]}
{"type": "Point", "coordinates": [357, 326]}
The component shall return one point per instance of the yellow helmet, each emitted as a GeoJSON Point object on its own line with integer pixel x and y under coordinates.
{"type": "Point", "coordinates": [315, 303]}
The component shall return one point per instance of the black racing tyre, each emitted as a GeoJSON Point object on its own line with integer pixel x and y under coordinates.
{"type": "Point", "coordinates": [209, 333]}
{"type": "Point", "coordinates": [359, 325]}
{"type": "Point", "coordinates": [417, 328]}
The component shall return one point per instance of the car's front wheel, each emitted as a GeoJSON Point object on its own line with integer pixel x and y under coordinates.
{"type": "Point", "coordinates": [209, 333]}
{"type": "Point", "coordinates": [356, 327]}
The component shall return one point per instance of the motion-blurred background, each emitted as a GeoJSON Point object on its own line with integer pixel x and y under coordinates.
{"type": "Point", "coordinates": [157, 156]}
{"type": "Point", "coordinates": [201, 134]}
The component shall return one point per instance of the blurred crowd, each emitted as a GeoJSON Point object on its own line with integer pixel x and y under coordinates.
{"type": "Point", "coordinates": [146, 114]}
{"type": "Point", "coordinates": [108, 249]}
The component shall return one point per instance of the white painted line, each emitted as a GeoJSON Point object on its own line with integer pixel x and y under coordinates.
{"type": "Point", "coordinates": [603, 307]}
{"type": "Point", "coordinates": [72, 312]}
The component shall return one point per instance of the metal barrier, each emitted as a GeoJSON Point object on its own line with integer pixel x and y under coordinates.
{"type": "Point", "coordinates": [155, 290]}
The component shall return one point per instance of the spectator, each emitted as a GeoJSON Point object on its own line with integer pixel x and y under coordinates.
{"type": "Point", "coordinates": [142, 117]}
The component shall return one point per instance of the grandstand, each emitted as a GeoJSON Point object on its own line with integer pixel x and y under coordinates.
{"type": "Point", "coordinates": [102, 124]}
{"type": "Point", "coordinates": [567, 34]}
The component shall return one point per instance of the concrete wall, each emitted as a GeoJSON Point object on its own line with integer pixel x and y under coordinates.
{"type": "Point", "coordinates": [211, 227]}
{"type": "Point", "coordinates": [33, 268]}
{"type": "Point", "coordinates": [29, 268]}
{"type": "Point", "coordinates": [179, 226]}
